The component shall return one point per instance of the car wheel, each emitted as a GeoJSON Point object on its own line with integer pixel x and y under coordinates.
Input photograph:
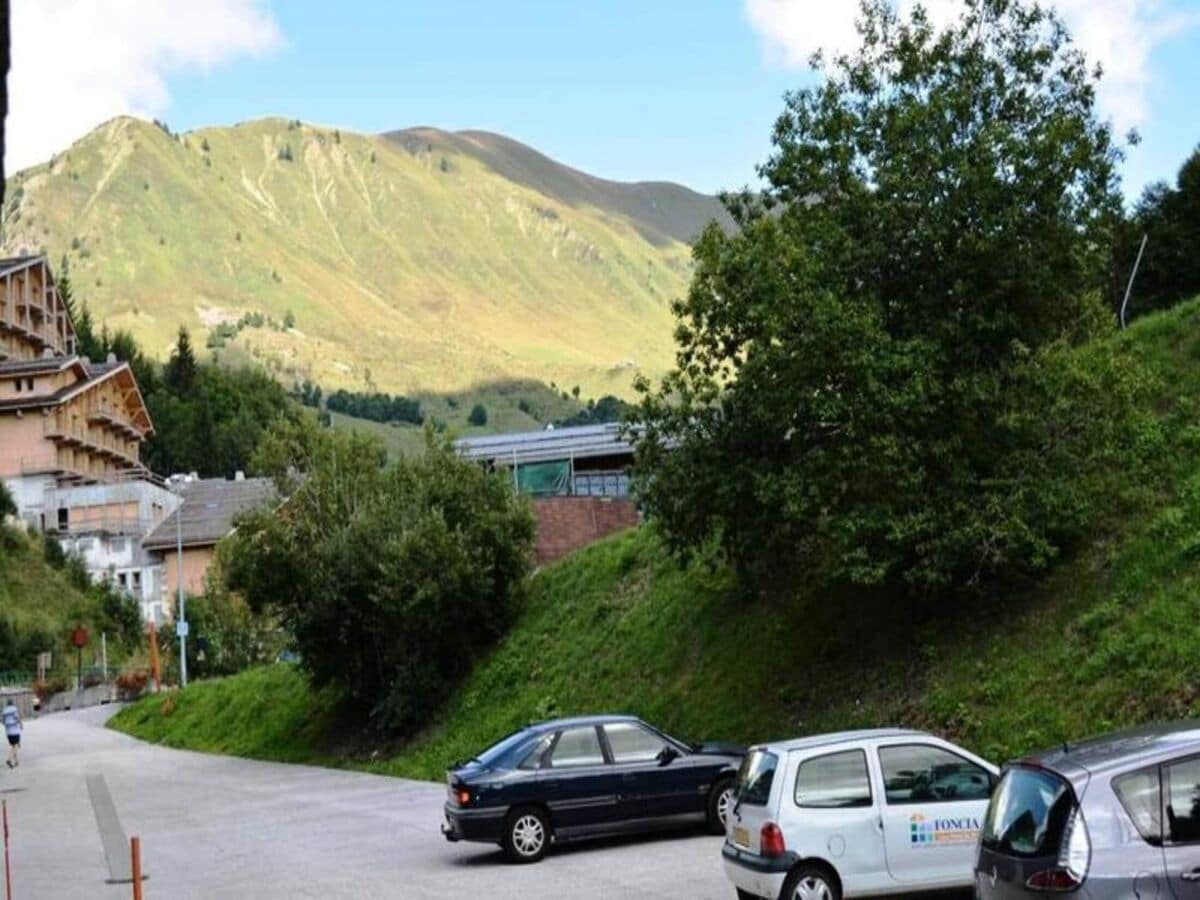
{"type": "Point", "coordinates": [811, 883]}
{"type": "Point", "coordinates": [746, 895]}
{"type": "Point", "coordinates": [526, 835]}
{"type": "Point", "coordinates": [720, 804]}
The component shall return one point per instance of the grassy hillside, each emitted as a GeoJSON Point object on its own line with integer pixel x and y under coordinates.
{"type": "Point", "coordinates": [510, 405]}
{"type": "Point", "coordinates": [1109, 637]}
{"type": "Point", "coordinates": [40, 604]}
{"type": "Point", "coordinates": [405, 265]}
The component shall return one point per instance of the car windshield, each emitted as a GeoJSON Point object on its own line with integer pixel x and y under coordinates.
{"type": "Point", "coordinates": [754, 779]}
{"type": "Point", "coordinates": [501, 748]}
{"type": "Point", "coordinates": [1028, 813]}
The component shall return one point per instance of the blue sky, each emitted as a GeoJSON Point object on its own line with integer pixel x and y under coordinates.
{"type": "Point", "coordinates": [685, 91]}
{"type": "Point", "coordinates": [627, 90]}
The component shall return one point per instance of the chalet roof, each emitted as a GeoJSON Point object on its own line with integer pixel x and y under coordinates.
{"type": "Point", "coordinates": [13, 263]}
{"type": "Point", "coordinates": [578, 442]}
{"type": "Point", "coordinates": [36, 366]}
{"type": "Point", "coordinates": [89, 374]}
{"type": "Point", "coordinates": [209, 507]}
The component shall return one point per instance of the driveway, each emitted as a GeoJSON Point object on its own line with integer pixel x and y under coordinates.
{"type": "Point", "coordinates": [218, 827]}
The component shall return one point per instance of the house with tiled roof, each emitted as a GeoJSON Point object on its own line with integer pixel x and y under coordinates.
{"type": "Point", "coordinates": [186, 541]}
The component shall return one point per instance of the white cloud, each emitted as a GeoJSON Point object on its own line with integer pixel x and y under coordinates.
{"type": "Point", "coordinates": [1121, 35]}
{"type": "Point", "coordinates": [77, 63]}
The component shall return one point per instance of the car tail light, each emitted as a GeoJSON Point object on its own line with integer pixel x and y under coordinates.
{"type": "Point", "coordinates": [1054, 880]}
{"type": "Point", "coordinates": [770, 840]}
{"type": "Point", "coordinates": [1074, 858]}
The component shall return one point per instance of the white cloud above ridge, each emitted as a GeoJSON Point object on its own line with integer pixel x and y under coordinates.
{"type": "Point", "coordinates": [77, 63]}
{"type": "Point", "coordinates": [1121, 35]}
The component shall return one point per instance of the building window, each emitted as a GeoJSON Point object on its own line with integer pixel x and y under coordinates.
{"type": "Point", "coordinates": [601, 484]}
{"type": "Point", "coordinates": [64, 519]}
{"type": "Point", "coordinates": [137, 581]}
{"type": "Point", "coordinates": [122, 580]}
{"type": "Point", "coordinates": [29, 384]}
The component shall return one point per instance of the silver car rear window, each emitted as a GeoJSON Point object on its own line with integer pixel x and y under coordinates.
{"type": "Point", "coordinates": [1028, 813]}
{"type": "Point", "coordinates": [753, 787]}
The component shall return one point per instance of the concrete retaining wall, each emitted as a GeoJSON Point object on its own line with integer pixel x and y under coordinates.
{"type": "Point", "coordinates": [93, 696]}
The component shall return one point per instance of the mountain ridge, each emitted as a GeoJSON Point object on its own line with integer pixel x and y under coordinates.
{"type": "Point", "coordinates": [526, 165]}
{"type": "Point", "coordinates": [403, 267]}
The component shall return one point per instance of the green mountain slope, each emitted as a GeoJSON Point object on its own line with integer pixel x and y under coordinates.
{"type": "Point", "coordinates": [1110, 637]}
{"type": "Point", "coordinates": [406, 265]}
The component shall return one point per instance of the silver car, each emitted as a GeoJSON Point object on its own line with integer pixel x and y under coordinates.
{"type": "Point", "coordinates": [1108, 818]}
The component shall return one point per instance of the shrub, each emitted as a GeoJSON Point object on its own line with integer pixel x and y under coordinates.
{"type": "Point", "coordinates": [131, 685]}
{"type": "Point", "coordinates": [479, 415]}
{"type": "Point", "coordinates": [390, 576]}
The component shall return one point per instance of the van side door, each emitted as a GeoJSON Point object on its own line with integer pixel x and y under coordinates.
{"type": "Point", "coordinates": [934, 802]}
{"type": "Point", "coordinates": [837, 818]}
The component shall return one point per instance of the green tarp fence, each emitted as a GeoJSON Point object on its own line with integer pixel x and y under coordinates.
{"type": "Point", "coordinates": [547, 479]}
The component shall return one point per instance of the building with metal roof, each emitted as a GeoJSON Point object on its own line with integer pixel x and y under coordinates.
{"type": "Point", "coordinates": [578, 477]}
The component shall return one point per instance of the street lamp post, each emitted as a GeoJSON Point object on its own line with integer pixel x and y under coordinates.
{"type": "Point", "coordinates": [181, 621]}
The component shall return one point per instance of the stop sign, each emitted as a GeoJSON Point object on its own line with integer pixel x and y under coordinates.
{"type": "Point", "coordinates": [79, 637]}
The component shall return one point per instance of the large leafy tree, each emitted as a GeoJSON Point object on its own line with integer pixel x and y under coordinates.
{"type": "Point", "coordinates": [391, 577]}
{"type": "Point", "coordinates": [875, 379]}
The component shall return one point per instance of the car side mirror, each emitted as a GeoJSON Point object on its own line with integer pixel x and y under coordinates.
{"type": "Point", "coordinates": [667, 754]}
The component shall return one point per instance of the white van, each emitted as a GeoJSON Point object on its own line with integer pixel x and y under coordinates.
{"type": "Point", "coordinates": [856, 814]}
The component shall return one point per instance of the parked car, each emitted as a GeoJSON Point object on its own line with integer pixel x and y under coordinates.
{"type": "Point", "coordinates": [585, 777]}
{"type": "Point", "coordinates": [1111, 817]}
{"type": "Point", "coordinates": [855, 813]}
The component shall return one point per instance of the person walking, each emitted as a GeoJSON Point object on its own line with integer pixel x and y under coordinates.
{"type": "Point", "coordinates": [12, 730]}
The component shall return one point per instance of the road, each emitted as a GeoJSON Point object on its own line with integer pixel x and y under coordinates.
{"type": "Point", "coordinates": [219, 827]}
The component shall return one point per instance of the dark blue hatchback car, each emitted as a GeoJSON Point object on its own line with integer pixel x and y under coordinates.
{"type": "Point", "coordinates": [585, 777]}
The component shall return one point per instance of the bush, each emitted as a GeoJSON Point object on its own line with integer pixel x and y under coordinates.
{"type": "Point", "coordinates": [131, 685]}
{"type": "Point", "coordinates": [391, 577]}
{"type": "Point", "coordinates": [478, 416]}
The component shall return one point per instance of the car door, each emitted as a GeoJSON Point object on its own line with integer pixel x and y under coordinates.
{"type": "Point", "coordinates": [934, 801]}
{"type": "Point", "coordinates": [651, 785]}
{"type": "Point", "coordinates": [579, 783]}
{"type": "Point", "coordinates": [838, 814]}
{"type": "Point", "coordinates": [1181, 827]}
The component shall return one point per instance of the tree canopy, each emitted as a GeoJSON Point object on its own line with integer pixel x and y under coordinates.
{"type": "Point", "coordinates": [391, 576]}
{"type": "Point", "coordinates": [878, 378]}
{"type": "Point", "coordinates": [1169, 218]}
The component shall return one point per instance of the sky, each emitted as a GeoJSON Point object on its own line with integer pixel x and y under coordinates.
{"type": "Point", "coordinates": [680, 90]}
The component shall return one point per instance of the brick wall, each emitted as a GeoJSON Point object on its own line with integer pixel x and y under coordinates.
{"type": "Point", "coordinates": [568, 523]}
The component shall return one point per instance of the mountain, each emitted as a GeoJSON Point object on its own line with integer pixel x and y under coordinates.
{"type": "Point", "coordinates": [661, 211]}
{"type": "Point", "coordinates": [416, 260]}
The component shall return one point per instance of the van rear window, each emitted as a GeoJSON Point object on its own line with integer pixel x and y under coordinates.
{"type": "Point", "coordinates": [1028, 813]}
{"type": "Point", "coordinates": [754, 779]}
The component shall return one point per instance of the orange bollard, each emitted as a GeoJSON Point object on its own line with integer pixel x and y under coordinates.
{"type": "Point", "coordinates": [7, 864]}
{"type": "Point", "coordinates": [135, 850]}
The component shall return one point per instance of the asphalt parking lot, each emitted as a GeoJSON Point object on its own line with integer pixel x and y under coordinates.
{"type": "Point", "coordinates": [218, 827]}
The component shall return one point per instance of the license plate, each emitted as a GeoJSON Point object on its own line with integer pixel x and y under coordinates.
{"type": "Point", "coordinates": [741, 836]}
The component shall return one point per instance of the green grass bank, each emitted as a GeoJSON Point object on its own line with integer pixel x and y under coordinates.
{"type": "Point", "coordinates": [1110, 636]}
